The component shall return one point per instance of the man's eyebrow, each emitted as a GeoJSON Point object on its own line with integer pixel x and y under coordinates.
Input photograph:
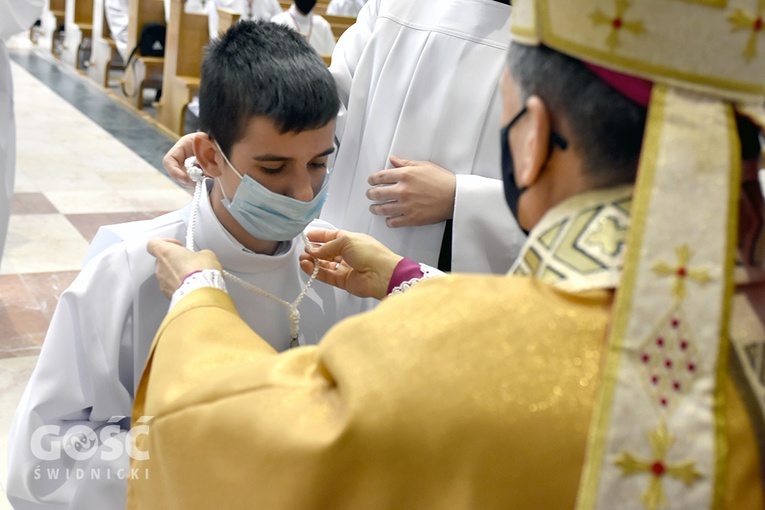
{"type": "Point", "coordinates": [326, 152]}
{"type": "Point", "coordinates": [271, 157]}
{"type": "Point", "coordinates": [275, 157]}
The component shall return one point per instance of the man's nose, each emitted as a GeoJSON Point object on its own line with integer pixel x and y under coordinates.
{"type": "Point", "coordinates": [302, 187]}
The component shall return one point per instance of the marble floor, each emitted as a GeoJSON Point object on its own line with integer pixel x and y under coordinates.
{"type": "Point", "coordinates": [83, 160]}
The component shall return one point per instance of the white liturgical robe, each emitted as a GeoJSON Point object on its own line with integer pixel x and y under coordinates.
{"type": "Point", "coordinates": [345, 7]}
{"type": "Point", "coordinates": [15, 16]}
{"type": "Point", "coordinates": [420, 81]}
{"type": "Point", "coordinates": [314, 28]}
{"type": "Point", "coordinates": [98, 342]}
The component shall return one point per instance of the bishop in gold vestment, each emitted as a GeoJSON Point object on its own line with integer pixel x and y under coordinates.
{"type": "Point", "coordinates": [464, 392]}
{"type": "Point", "coordinates": [619, 365]}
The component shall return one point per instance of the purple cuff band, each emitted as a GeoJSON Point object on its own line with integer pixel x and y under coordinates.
{"type": "Point", "coordinates": [406, 269]}
{"type": "Point", "coordinates": [190, 274]}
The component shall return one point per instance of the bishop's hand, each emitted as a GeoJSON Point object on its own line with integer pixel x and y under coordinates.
{"type": "Point", "coordinates": [174, 263]}
{"type": "Point", "coordinates": [357, 263]}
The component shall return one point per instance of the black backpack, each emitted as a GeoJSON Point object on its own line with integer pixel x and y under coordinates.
{"type": "Point", "coordinates": [151, 43]}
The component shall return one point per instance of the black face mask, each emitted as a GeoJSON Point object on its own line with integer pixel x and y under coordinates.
{"type": "Point", "coordinates": [305, 6]}
{"type": "Point", "coordinates": [512, 191]}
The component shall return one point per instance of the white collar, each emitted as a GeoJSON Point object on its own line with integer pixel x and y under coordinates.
{"type": "Point", "coordinates": [578, 245]}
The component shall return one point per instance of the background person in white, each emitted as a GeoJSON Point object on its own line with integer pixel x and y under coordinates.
{"type": "Point", "coordinates": [15, 16]}
{"type": "Point", "coordinates": [419, 81]}
{"type": "Point", "coordinates": [117, 15]}
{"type": "Point", "coordinates": [313, 27]}
{"type": "Point", "coordinates": [103, 326]}
{"type": "Point", "coordinates": [250, 10]}
{"type": "Point", "coordinates": [345, 7]}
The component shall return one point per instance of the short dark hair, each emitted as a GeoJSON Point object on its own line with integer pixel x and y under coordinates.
{"type": "Point", "coordinates": [259, 68]}
{"type": "Point", "coordinates": [607, 126]}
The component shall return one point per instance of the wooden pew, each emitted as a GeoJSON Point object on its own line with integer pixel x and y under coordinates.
{"type": "Point", "coordinates": [78, 19]}
{"type": "Point", "coordinates": [83, 18]}
{"type": "Point", "coordinates": [144, 71]}
{"type": "Point", "coordinates": [339, 24]}
{"type": "Point", "coordinates": [187, 36]}
{"type": "Point", "coordinates": [58, 9]}
{"type": "Point", "coordinates": [226, 19]}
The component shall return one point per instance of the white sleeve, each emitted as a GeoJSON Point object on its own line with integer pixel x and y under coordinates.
{"type": "Point", "coordinates": [18, 15]}
{"type": "Point", "coordinates": [204, 278]}
{"type": "Point", "coordinates": [488, 239]}
{"type": "Point", "coordinates": [67, 444]}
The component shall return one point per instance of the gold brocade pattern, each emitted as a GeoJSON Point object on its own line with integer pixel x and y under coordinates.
{"type": "Point", "coordinates": [657, 467]}
{"type": "Point", "coordinates": [740, 19]}
{"type": "Point", "coordinates": [579, 244]}
{"type": "Point", "coordinates": [617, 23]}
{"type": "Point", "coordinates": [681, 272]}
{"type": "Point", "coordinates": [676, 151]}
{"type": "Point", "coordinates": [669, 361]}
{"type": "Point", "coordinates": [716, 45]}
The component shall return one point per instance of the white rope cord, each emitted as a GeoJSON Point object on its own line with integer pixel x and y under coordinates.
{"type": "Point", "coordinates": [292, 308]}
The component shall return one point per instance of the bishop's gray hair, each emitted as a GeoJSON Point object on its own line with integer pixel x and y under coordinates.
{"type": "Point", "coordinates": [607, 127]}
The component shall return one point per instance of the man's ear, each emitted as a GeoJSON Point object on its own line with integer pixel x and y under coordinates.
{"type": "Point", "coordinates": [536, 142]}
{"type": "Point", "coordinates": [207, 155]}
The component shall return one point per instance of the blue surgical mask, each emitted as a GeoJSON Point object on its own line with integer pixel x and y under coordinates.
{"type": "Point", "coordinates": [269, 216]}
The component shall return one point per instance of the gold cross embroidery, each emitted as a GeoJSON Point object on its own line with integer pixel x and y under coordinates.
{"type": "Point", "coordinates": [742, 20]}
{"type": "Point", "coordinates": [609, 235]}
{"type": "Point", "coordinates": [657, 467]}
{"type": "Point", "coordinates": [681, 272]}
{"type": "Point", "coordinates": [617, 23]}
